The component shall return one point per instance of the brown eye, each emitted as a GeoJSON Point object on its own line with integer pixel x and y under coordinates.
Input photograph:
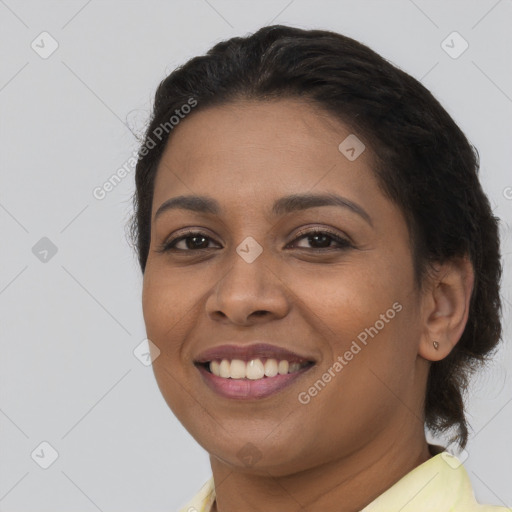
{"type": "Point", "coordinates": [193, 241]}
{"type": "Point", "coordinates": [196, 241]}
{"type": "Point", "coordinates": [321, 239]}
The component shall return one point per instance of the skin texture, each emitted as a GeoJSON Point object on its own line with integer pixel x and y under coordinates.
{"type": "Point", "coordinates": [364, 430]}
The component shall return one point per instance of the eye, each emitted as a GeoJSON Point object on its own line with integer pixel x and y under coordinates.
{"type": "Point", "coordinates": [323, 239]}
{"type": "Point", "coordinates": [197, 241]}
{"type": "Point", "coordinates": [193, 241]}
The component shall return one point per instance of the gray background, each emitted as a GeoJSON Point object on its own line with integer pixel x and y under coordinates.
{"type": "Point", "coordinates": [70, 321]}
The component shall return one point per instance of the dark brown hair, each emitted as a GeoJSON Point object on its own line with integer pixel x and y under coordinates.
{"type": "Point", "coordinates": [423, 162]}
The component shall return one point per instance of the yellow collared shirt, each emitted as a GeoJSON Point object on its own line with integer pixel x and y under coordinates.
{"type": "Point", "coordinates": [440, 484]}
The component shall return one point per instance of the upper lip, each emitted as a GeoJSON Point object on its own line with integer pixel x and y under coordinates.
{"type": "Point", "coordinates": [248, 352]}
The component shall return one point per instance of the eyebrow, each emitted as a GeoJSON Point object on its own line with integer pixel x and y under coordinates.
{"type": "Point", "coordinates": [282, 206]}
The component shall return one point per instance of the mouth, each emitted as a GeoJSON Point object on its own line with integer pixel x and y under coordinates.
{"type": "Point", "coordinates": [250, 372]}
{"type": "Point", "coordinates": [254, 369]}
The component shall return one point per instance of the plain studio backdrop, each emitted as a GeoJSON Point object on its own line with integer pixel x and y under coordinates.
{"type": "Point", "coordinates": [83, 424]}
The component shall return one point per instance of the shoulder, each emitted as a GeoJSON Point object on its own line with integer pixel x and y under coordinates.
{"type": "Point", "coordinates": [440, 484]}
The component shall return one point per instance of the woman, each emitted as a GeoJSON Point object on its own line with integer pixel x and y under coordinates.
{"type": "Point", "coordinates": [321, 273]}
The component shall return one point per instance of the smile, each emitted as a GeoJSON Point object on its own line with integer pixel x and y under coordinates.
{"type": "Point", "coordinates": [256, 378]}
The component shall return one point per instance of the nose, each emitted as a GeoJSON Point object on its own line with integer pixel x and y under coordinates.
{"type": "Point", "coordinates": [248, 293]}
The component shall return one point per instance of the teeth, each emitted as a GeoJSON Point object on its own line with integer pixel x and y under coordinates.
{"type": "Point", "coordinates": [282, 367]}
{"type": "Point", "coordinates": [293, 367]}
{"type": "Point", "coordinates": [255, 369]}
{"type": "Point", "coordinates": [224, 369]}
{"type": "Point", "coordinates": [215, 367]}
{"type": "Point", "coordinates": [237, 369]}
{"type": "Point", "coordinates": [271, 367]}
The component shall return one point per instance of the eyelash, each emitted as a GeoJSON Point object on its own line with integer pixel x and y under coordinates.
{"type": "Point", "coordinates": [343, 242]}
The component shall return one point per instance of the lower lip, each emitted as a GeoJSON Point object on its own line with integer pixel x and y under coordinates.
{"type": "Point", "coordinates": [246, 388]}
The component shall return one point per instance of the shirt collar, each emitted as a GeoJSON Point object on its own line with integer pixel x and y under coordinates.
{"type": "Point", "coordinates": [440, 483]}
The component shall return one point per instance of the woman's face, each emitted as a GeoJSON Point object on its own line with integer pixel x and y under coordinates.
{"type": "Point", "coordinates": [253, 274]}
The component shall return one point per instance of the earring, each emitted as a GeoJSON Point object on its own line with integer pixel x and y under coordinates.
{"type": "Point", "coordinates": [436, 344]}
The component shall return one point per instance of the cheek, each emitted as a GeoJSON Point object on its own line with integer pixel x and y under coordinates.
{"type": "Point", "coordinates": [173, 302]}
{"type": "Point", "coordinates": [164, 309]}
{"type": "Point", "coordinates": [165, 318]}
{"type": "Point", "coordinates": [363, 315]}
{"type": "Point", "coordinates": [343, 301]}
{"type": "Point", "coordinates": [372, 354]}
{"type": "Point", "coordinates": [167, 294]}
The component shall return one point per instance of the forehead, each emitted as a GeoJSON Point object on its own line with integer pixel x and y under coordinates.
{"type": "Point", "coordinates": [250, 149]}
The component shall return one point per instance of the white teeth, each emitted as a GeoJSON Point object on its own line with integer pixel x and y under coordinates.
{"type": "Point", "coordinates": [270, 367]}
{"type": "Point", "coordinates": [224, 368]}
{"type": "Point", "coordinates": [215, 367]}
{"type": "Point", "coordinates": [254, 369]}
{"type": "Point", "coordinates": [237, 369]}
{"type": "Point", "coordinates": [283, 367]}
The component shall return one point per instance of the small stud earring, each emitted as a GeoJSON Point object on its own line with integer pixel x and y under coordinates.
{"type": "Point", "coordinates": [436, 344]}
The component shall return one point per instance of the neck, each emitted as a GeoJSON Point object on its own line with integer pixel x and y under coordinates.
{"type": "Point", "coordinates": [346, 484]}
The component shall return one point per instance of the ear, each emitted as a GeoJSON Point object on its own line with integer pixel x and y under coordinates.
{"type": "Point", "coordinates": [445, 307]}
